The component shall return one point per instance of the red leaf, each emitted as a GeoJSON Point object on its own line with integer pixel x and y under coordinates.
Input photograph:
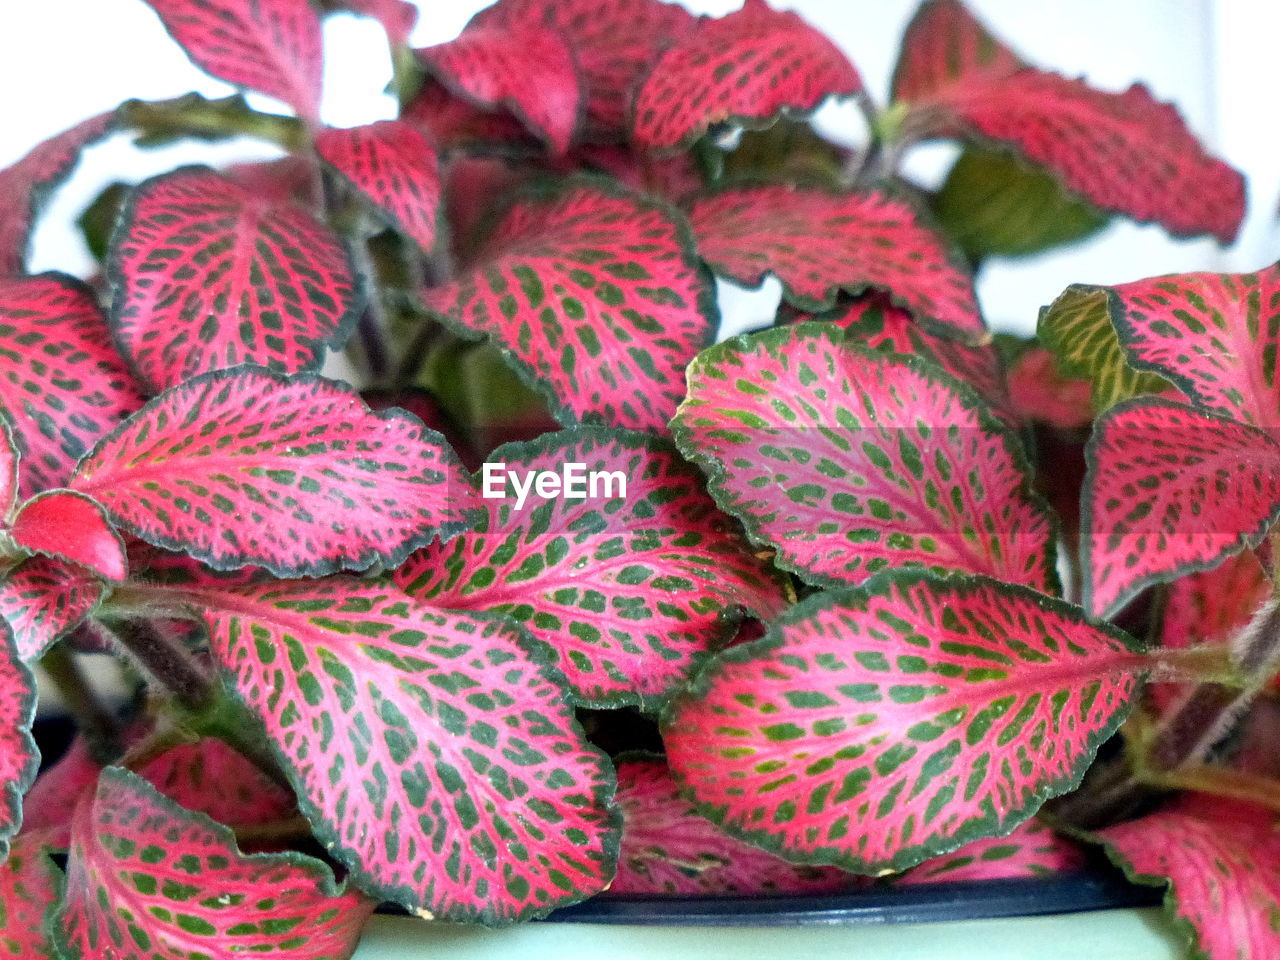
{"type": "Point", "coordinates": [1221, 862]}
{"type": "Point", "coordinates": [1031, 850]}
{"type": "Point", "coordinates": [147, 879]}
{"type": "Point", "coordinates": [61, 380]}
{"type": "Point", "coordinates": [29, 889]}
{"type": "Point", "coordinates": [523, 67]}
{"type": "Point", "coordinates": [630, 586]}
{"type": "Point", "coordinates": [397, 17]}
{"type": "Point", "coordinates": [1125, 152]}
{"type": "Point", "coordinates": [673, 178]}
{"type": "Point", "coordinates": [70, 526]}
{"type": "Point", "coordinates": [452, 123]}
{"type": "Point", "coordinates": [874, 727]}
{"type": "Point", "coordinates": [847, 461]}
{"type": "Point", "coordinates": [52, 801]}
{"type": "Point", "coordinates": [394, 166]}
{"type": "Point", "coordinates": [278, 182]}
{"type": "Point", "coordinates": [19, 758]}
{"type": "Point", "coordinates": [1039, 392]}
{"type": "Point", "coordinates": [43, 600]}
{"type": "Point", "coordinates": [210, 777]}
{"type": "Point", "coordinates": [295, 475]}
{"type": "Point", "coordinates": [8, 469]}
{"type": "Point", "coordinates": [208, 276]}
{"type": "Point", "coordinates": [271, 46]}
{"type": "Point", "coordinates": [1210, 607]}
{"type": "Point", "coordinates": [747, 67]}
{"type": "Point", "coordinates": [820, 244]}
{"type": "Point", "coordinates": [24, 185]}
{"type": "Point", "coordinates": [668, 849]}
{"type": "Point", "coordinates": [1170, 490]}
{"type": "Point", "coordinates": [595, 297]}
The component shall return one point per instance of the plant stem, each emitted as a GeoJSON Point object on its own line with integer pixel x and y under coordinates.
{"type": "Point", "coordinates": [191, 115]}
{"type": "Point", "coordinates": [1222, 781]}
{"type": "Point", "coordinates": [94, 719]}
{"type": "Point", "coordinates": [169, 662]}
{"type": "Point", "coordinates": [372, 326]}
{"type": "Point", "coordinates": [1207, 663]}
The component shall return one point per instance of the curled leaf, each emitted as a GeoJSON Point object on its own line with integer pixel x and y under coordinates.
{"type": "Point", "coordinates": [70, 526]}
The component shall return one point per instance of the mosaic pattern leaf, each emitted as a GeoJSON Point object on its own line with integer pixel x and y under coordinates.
{"type": "Point", "coordinates": [61, 381]}
{"type": "Point", "coordinates": [394, 166]}
{"type": "Point", "coordinates": [596, 298]}
{"type": "Point", "coordinates": [271, 46]}
{"type": "Point", "coordinates": [847, 461]}
{"type": "Point", "coordinates": [19, 758]}
{"type": "Point", "coordinates": [630, 585]}
{"type": "Point", "coordinates": [1212, 605]}
{"type": "Point", "coordinates": [748, 67]}
{"type": "Point", "coordinates": [875, 727]}
{"type": "Point", "coordinates": [821, 244]}
{"type": "Point", "coordinates": [43, 600]}
{"type": "Point", "coordinates": [945, 46]}
{"type": "Point", "coordinates": [29, 889]}
{"type": "Point", "coordinates": [209, 276]}
{"type": "Point", "coordinates": [1170, 490]}
{"type": "Point", "coordinates": [70, 526]}
{"type": "Point", "coordinates": [210, 777]}
{"type": "Point", "coordinates": [148, 880]}
{"type": "Point", "coordinates": [1031, 850]}
{"type": "Point", "coordinates": [293, 474]}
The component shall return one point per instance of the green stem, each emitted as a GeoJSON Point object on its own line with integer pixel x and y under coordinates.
{"type": "Point", "coordinates": [191, 115]}
{"type": "Point", "coordinates": [1207, 663]}
{"type": "Point", "coordinates": [94, 719]}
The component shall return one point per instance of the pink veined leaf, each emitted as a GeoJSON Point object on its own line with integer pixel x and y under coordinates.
{"type": "Point", "coordinates": [667, 848]}
{"type": "Point", "coordinates": [1039, 392]}
{"type": "Point", "coordinates": [278, 182]}
{"type": "Point", "coordinates": [29, 890]}
{"type": "Point", "coordinates": [433, 756]}
{"type": "Point", "coordinates": [24, 185]}
{"type": "Point", "coordinates": [61, 381]}
{"type": "Point", "coordinates": [148, 880]}
{"type": "Point", "coordinates": [523, 67]}
{"type": "Point", "coordinates": [615, 43]}
{"type": "Point", "coordinates": [271, 46]}
{"type": "Point", "coordinates": [1031, 850]}
{"type": "Point", "coordinates": [875, 727]}
{"type": "Point", "coordinates": [394, 166]}
{"type": "Point", "coordinates": [1212, 605]}
{"type": "Point", "coordinates": [1214, 336]}
{"type": "Point", "coordinates": [1170, 490]}
{"type": "Point", "coordinates": [398, 17]}
{"type": "Point", "coordinates": [1220, 860]}
{"type": "Point", "coordinates": [596, 298]}
{"type": "Point", "coordinates": [210, 777]}
{"type": "Point", "coordinates": [821, 244]}
{"type": "Point", "coordinates": [19, 758]}
{"type": "Point", "coordinates": [70, 526]}
{"type": "Point", "coordinates": [847, 461]}
{"type": "Point", "coordinates": [208, 276]}
{"type": "Point", "coordinates": [629, 584]}
{"type": "Point", "coordinates": [452, 123]}
{"type": "Point", "coordinates": [295, 475]}
{"type": "Point", "coordinates": [1125, 152]}
{"type": "Point", "coordinates": [8, 469]}
{"type": "Point", "coordinates": [748, 67]}
{"type": "Point", "coordinates": [43, 600]}
{"type": "Point", "coordinates": [52, 801]}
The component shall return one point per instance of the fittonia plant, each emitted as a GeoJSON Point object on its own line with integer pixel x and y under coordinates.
{"type": "Point", "coordinates": [856, 582]}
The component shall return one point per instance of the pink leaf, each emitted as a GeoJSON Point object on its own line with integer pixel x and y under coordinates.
{"type": "Point", "coordinates": [433, 756]}
{"type": "Point", "coordinates": [70, 526]}
{"type": "Point", "coordinates": [8, 469]}
{"type": "Point", "coordinates": [1125, 152]}
{"type": "Point", "coordinates": [43, 600]}
{"type": "Point", "coordinates": [148, 880]}
{"type": "Point", "coordinates": [876, 727]}
{"type": "Point", "coordinates": [630, 587]}
{"type": "Point", "coordinates": [747, 67]}
{"type": "Point", "coordinates": [1211, 606]}
{"type": "Point", "coordinates": [52, 801]}
{"type": "Point", "coordinates": [397, 17]}
{"type": "Point", "coordinates": [295, 475]}
{"type": "Point", "coordinates": [209, 276]}
{"type": "Point", "coordinates": [596, 298]}
{"type": "Point", "coordinates": [452, 123]}
{"type": "Point", "coordinates": [668, 849]}
{"type": "Point", "coordinates": [1039, 392]}
{"type": "Point", "coordinates": [61, 380]}
{"type": "Point", "coordinates": [210, 777]}
{"type": "Point", "coordinates": [24, 185]}
{"type": "Point", "coordinates": [524, 67]}
{"type": "Point", "coordinates": [1031, 850]}
{"type": "Point", "coordinates": [394, 166]}
{"type": "Point", "coordinates": [19, 758]}
{"type": "Point", "coordinates": [271, 46]}
{"type": "Point", "coordinates": [820, 244]}
{"type": "Point", "coordinates": [847, 461]}
{"type": "Point", "coordinates": [1221, 862]}
{"type": "Point", "coordinates": [1170, 490]}
{"type": "Point", "coordinates": [29, 889]}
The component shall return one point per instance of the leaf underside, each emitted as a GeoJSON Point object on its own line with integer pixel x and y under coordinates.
{"type": "Point", "coordinates": [43, 599]}
{"type": "Point", "coordinates": [70, 526]}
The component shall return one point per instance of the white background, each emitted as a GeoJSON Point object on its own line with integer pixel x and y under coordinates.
{"type": "Point", "coordinates": [63, 60]}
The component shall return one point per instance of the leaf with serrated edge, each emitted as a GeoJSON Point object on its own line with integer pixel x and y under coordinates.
{"type": "Point", "coordinates": [210, 777]}
{"type": "Point", "coordinates": [668, 849]}
{"type": "Point", "coordinates": [19, 758]}
{"type": "Point", "coordinates": [848, 461]}
{"type": "Point", "coordinates": [30, 885]}
{"type": "Point", "coordinates": [294, 474]}
{"type": "Point", "coordinates": [61, 381]}
{"type": "Point", "coordinates": [394, 166]}
{"type": "Point", "coordinates": [149, 880]}
{"type": "Point", "coordinates": [434, 756]}
{"type": "Point", "coordinates": [271, 46]}
{"type": "Point", "coordinates": [820, 244]}
{"type": "Point", "coordinates": [748, 67]}
{"type": "Point", "coordinates": [630, 590]}
{"type": "Point", "coordinates": [70, 526]}
{"type": "Point", "coordinates": [1124, 152]}
{"type": "Point", "coordinates": [1170, 490]}
{"type": "Point", "coordinates": [209, 276]}
{"type": "Point", "coordinates": [1220, 860]}
{"type": "Point", "coordinates": [43, 600]}
{"type": "Point", "coordinates": [595, 296]}
{"type": "Point", "coordinates": [1031, 850]}
{"type": "Point", "coordinates": [874, 727]}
